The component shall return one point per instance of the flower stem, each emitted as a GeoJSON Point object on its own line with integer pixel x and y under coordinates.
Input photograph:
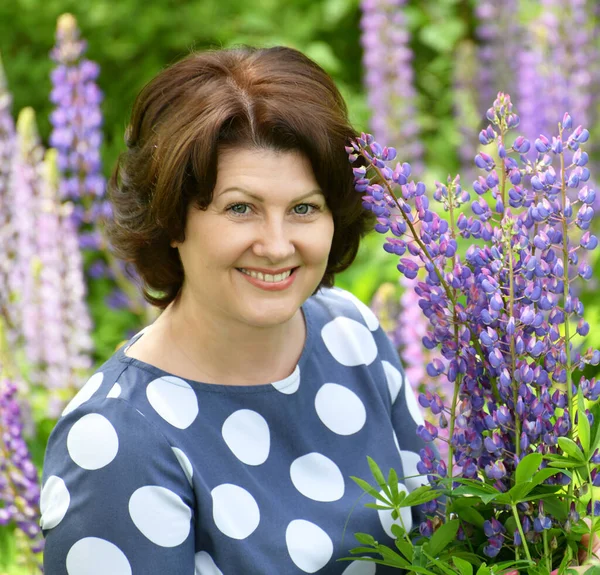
{"type": "Point", "coordinates": [520, 528]}
{"type": "Point", "coordinates": [547, 551]}
{"type": "Point", "coordinates": [565, 254]}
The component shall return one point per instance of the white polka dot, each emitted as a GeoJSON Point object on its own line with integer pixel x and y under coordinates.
{"type": "Point", "coordinates": [386, 516]}
{"type": "Point", "coordinates": [340, 409]}
{"type": "Point", "coordinates": [349, 342]}
{"type": "Point", "coordinates": [174, 400]}
{"type": "Point", "coordinates": [161, 515]}
{"type": "Point", "coordinates": [54, 502]}
{"type": "Point", "coordinates": [235, 511]}
{"type": "Point", "coordinates": [115, 391]}
{"type": "Point", "coordinates": [94, 556]}
{"type": "Point", "coordinates": [394, 379]}
{"type": "Point", "coordinates": [413, 404]}
{"type": "Point", "coordinates": [92, 442]}
{"type": "Point", "coordinates": [361, 568]}
{"type": "Point", "coordinates": [246, 433]}
{"type": "Point", "coordinates": [409, 467]}
{"type": "Point", "coordinates": [290, 384]}
{"type": "Point", "coordinates": [310, 548]}
{"type": "Point", "coordinates": [205, 565]}
{"type": "Point", "coordinates": [85, 393]}
{"type": "Point", "coordinates": [184, 462]}
{"type": "Point", "coordinates": [366, 312]}
{"type": "Point", "coordinates": [317, 477]}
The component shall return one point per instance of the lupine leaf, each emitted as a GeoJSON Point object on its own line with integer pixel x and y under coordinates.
{"type": "Point", "coordinates": [483, 570]}
{"type": "Point", "coordinates": [583, 424]}
{"type": "Point", "coordinates": [465, 567]}
{"type": "Point", "coordinates": [527, 467]}
{"type": "Point", "coordinates": [393, 483]}
{"type": "Point", "coordinates": [420, 495]}
{"type": "Point", "coordinates": [483, 494]}
{"type": "Point", "coordinates": [442, 537]}
{"type": "Point", "coordinates": [377, 474]}
{"type": "Point", "coordinates": [370, 490]}
{"type": "Point", "coordinates": [571, 448]}
{"type": "Point", "coordinates": [365, 539]}
{"type": "Point", "coordinates": [439, 564]}
{"type": "Point", "coordinates": [404, 546]}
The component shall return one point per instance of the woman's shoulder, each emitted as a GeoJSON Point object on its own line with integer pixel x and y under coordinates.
{"type": "Point", "coordinates": [333, 303]}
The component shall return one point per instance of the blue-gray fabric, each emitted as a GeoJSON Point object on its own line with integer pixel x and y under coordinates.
{"type": "Point", "coordinates": [147, 473]}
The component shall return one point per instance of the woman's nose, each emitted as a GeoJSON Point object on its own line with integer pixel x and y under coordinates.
{"type": "Point", "coordinates": [275, 241]}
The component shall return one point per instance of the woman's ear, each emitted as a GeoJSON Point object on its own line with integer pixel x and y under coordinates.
{"type": "Point", "coordinates": [174, 244]}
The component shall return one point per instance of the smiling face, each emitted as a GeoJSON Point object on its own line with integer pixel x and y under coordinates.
{"type": "Point", "coordinates": [267, 218]}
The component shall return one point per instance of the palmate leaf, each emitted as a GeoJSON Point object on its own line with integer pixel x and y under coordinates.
{"type": "Point", "coordinates": [378, 475]}
{"type": "Point", "coordinates": [370, 490]}
{"type": "Point", "coordinates": [420, 495]}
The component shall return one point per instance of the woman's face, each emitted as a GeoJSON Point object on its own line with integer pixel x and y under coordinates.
{"type": "Point", "coordinates": [267, 218]}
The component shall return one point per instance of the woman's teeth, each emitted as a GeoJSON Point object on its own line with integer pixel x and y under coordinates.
{"type": "Point", "coordinates": [267, 277]}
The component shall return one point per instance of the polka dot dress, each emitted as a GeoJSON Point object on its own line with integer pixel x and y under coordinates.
{"type": "Point", "coordinates": [148, 473]}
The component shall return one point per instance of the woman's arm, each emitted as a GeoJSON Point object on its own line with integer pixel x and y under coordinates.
{"type": "Point", "coordinates": [115, 498]}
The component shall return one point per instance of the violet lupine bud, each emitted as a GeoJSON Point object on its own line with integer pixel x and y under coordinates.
{"type": "Point", "coordinates": [19, 484]}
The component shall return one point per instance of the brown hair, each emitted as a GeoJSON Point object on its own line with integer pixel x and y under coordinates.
{"type": "Point", "coordinates": [273, 98]}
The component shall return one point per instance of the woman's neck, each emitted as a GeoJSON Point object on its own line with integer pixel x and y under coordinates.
{"type": "Point", "coordinates": [229, 353]}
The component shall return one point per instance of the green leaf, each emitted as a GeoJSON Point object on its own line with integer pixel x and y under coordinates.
{"type": "Point", "coordinates": [365, 539]}
{"type": "Point", "coordinates": [527, 467]}
{"type": "Point", "coordinates": [403, 546]}
{"type": "Point", "coordinates": [465, 567]}
{"type": "Point", "coordinates": [583, 424]}
{"type": "Point", "coordinates": [442, 537]}
{"type": "Point", "coordinates": [472, 516]}
{"type": "Point", "coordinates": [571, 448]}
{"type": "Point", "coordinates": [420, 495]}
{"type": "Point", "coordinates": [377, 474]}
{"type": "Point", "coordinates": [483, 570]}
{"type": "Point", "coordinates": [439, 564]}
{"type": "Point", "coordinates": [393, 483]}
{"type": "Point", "coordinates": [485, 495]}
{"type": "Point", "coordinates": [370, 490]}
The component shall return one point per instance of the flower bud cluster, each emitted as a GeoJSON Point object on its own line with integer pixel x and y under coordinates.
{"type": "Point", "coordinates": [500, 314]}
{"type": "Point", "coordinates": [389, 75]}
{"type": "Point", "coordinates": [19, 484]}
{"type": "Point", "coordinates": [77, 128]}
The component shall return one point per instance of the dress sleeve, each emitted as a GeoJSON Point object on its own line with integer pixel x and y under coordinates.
{"type": "Point", "coordinates": [115, 497]}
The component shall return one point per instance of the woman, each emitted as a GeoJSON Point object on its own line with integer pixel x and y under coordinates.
{"type": "Point", "coordinates": [223, 437]}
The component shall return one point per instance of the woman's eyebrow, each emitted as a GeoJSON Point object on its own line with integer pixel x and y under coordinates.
{"type": "Point", "coordinates": [260, 199]}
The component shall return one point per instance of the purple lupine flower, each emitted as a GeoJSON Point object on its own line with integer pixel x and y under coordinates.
{"type": "Point", "coordinates": [389, 76]}
{"type": "Point", "coordinates": [76, 119]}
{"type": "Point", "coordinates": [25, 191]}
{"type": "Point", "coordinates": [46, 274]}
{"type": "Point", "coordinates": [66, 320]}
{"type": "Point", "coordinates": [499, 36]}
{"type": "Point", "coordinates": [7, 150]}
{"type": "Point", "coordinates": [19, 484]}
{"type": "Point", "coordinates": [496, 312]}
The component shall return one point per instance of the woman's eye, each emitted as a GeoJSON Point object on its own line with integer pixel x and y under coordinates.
{"type": "Point", "coordinates": [305, 209]}
{"type": "Point", "coordinates": [239, 209]}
